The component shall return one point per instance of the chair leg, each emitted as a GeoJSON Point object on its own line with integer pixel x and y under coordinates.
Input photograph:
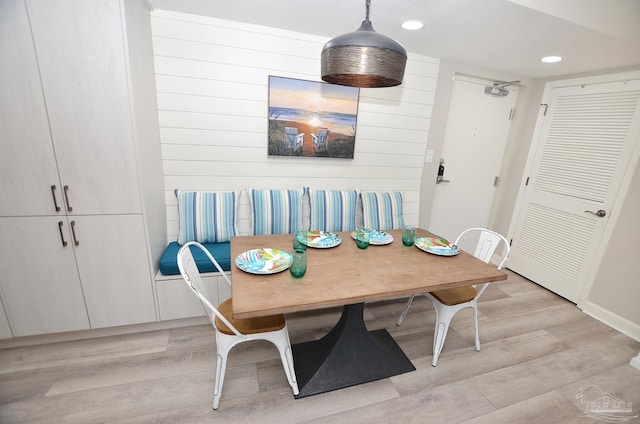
{"type": "Point", "coordinates": [444, 315]}
{"type": "Point", "coordinates": [221, 366]}
{"type": "Point", "coordinates": [475, 323]}
{"type": "Point", "coordinates": [287, 364]}
{"type": "Point", "coordinates": [224, 344]}
{"type": "Point", "coordinates": [438, 340]}
{"type": "Point", "coordinates": [406, 309]}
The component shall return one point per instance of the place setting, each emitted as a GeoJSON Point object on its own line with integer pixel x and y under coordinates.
{"type": "Point", "coordinates": [366, 236]}
{"type": "Point", "coordinates": [318, 239]}
{"type": "Point", "coordinates": [264, 261]}
{"type": "Point", "coordinates": [434, 245]}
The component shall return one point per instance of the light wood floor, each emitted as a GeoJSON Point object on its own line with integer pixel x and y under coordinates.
{"type": "Point", "coordinates": [538, 351]}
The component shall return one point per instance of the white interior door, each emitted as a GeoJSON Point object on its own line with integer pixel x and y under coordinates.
{"type": "Point", "coordinates": [580, 155]}
{"type": "Point", "coordinates": [475, 138]}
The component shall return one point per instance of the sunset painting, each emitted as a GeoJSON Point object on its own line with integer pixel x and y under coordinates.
{"type": "Point", "coordinates": [312, 119]}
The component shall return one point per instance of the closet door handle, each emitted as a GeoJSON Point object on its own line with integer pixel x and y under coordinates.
{"type": "Point", "coordinates": [66, 198]}
{"type": "Point", "coordinates": [73, 233]}
{"type": "Point", "coordinates": [64, 242]}
{"type": "Point", "coordinates": [599, 214]}
{"type": "Point", "coordinates": [55, 201]}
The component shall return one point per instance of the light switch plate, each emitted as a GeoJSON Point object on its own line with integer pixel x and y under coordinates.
{"type": "Point", "coordinates": [429, 156]}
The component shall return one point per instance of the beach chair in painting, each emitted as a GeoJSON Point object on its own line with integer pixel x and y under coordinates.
{"type": "Point", "coordinates": [320, 140]}
{"type": "Point", "coordinates": [293, 140]}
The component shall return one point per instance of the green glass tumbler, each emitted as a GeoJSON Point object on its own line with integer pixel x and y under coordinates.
{"type": "Point", "coordinates": [408, 235]}
{"type": "Point", "coordinates": [363, 236]}
{"type": "Point", "coordinates": [298, 263]}
{"type": "Point", "coordinates": [297, 244]}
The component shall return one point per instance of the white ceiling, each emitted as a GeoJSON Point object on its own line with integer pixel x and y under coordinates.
{"type": "Point", "coordinates": [503, 35]}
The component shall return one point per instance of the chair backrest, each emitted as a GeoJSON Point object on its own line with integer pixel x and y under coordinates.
{"type": "Point", "coordinates": [323, 133]}
{"type": "Point", "coordinates": [488, 242]}
{"type": "Point", "coordinates": [291, 134]}
{"type": "Point", "coordinates": [189, 271]}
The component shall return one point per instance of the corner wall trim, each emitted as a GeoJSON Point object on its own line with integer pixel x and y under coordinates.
{"type": "Point", "coordinates": [617, 322]}
{"type": "Point", "coordinates": [635, 362]}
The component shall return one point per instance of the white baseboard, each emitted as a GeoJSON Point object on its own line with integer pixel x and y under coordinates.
{"type": "Point", "coordinates": [621, 324]}
{"type": "Point", "coordinates": [635, 362]}
{"type": "Point", "coordinates": [100, 332]}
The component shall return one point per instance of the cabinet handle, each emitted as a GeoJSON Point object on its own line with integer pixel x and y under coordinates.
{"type": "Point", "coordinates": [73, 233]}
{"type": "Point", "coordinates": [55, 201]}
{"type": "Point", "coordinates": [66, 198]}
{"type": "Point", "coordinates": [64, 242]}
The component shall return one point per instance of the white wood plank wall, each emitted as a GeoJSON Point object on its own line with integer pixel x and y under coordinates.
{"type": "Point", "coordinates": [212, 83]}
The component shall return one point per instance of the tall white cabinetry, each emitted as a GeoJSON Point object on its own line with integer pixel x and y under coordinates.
{"type": "Point", "coordinates": [74, 252]}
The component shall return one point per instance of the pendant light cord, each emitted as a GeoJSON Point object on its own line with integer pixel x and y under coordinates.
{"type": "Point", "coordinates": [368, 6]}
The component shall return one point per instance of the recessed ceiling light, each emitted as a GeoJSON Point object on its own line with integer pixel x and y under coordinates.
{"type": "Point", "coordinates": [412, 25]}
{"type": "Point", "coordinates": [551, 59]}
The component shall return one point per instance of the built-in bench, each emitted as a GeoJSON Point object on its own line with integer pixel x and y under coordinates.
{"type": "Point", "coordinates": [221, 251]}
{"type": "Point", "coordinates": [272, 212]}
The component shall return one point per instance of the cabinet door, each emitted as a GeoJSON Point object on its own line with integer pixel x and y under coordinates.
{"type": "Point", "coordinates": [81, 52]}
{"type": "Point", "coordinates": [114, 269]}
{"type": "Point", "coordinates": [39, 279]}
{"type": "Point", "coordinates": [27, 163]}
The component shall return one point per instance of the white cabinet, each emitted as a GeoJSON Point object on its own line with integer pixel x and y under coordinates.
{"type": "Point", "coordinates": [80, 50]}
{"type": "Point", "coordinates": [176, 300]}
{"type": "Point", "coordinates": [114, 269]}
{"type": "Point", "coordinates": [40, 283]}
{"type": "Point", "coordinates": [69, 139]}
{"type": "Point", "coordinates": [28, 167]}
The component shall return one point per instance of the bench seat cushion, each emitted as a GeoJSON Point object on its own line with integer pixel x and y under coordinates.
{"type": "Point", "coordinates": [220, 251]}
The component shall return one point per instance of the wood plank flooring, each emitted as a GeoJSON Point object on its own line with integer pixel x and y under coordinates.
{"type": "Point", "coordinates": [538, 351]}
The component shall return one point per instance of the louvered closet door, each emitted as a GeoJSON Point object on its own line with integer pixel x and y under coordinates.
{"type": "Point", "coordinates": [585, 144]}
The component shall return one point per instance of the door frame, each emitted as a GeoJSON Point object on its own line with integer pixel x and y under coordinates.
{"type": "Point", "coordinates": [515, 92]}
{"type": "Point", "coordinates": [625, 185]}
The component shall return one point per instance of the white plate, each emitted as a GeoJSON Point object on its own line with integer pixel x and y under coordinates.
{"type": "Point", "coordinates": [377, 238]}
{"type": "Point", "coordinates": [319, 239]}
{"type": "Point", "coordinates": [436, 246]}
{"type": "Point", "coordinates": [263, 261]}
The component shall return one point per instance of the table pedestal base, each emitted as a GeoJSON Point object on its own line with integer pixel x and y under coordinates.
{"type": "Point", "coordinates": [348, 355]}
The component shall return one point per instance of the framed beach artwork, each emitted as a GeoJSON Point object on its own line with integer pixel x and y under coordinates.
{"type": "Point", "coordinates": [312, 119]}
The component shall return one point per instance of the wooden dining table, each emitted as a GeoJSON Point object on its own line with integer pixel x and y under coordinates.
{"type": "Point", "coordinates": [346, 276]}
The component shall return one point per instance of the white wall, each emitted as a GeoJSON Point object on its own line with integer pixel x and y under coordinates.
{"type": "Point", "coordinates": [613, 297]}
{"type": "Point", "coordinates": [516, 148]}
{"type": "Point", "coordinates": [212, 82]}
{"type": "Point", "coordinates": [145, 125]}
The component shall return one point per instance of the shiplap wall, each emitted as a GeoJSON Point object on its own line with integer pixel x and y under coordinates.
{"type": "Point", "coordinates": [212, 83]}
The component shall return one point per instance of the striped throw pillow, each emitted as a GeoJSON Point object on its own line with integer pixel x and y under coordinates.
{"type": "Point", "coordinates": [382, 210]}
{"type": "Point", "coordinates": [333, 210]}
{"type": "Point", "coordinates": [207, 217]}
{"type": "Point", "coordinates": [275, 211]}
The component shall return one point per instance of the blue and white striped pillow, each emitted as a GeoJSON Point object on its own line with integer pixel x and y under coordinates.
{"type": "Point", "coordinates": [275, 211]}
{"type": "Point", "coordinates": [382, 210]}
{"type": "Point", "coordinates": [207, 217]}
{"type": "Point", "coordinates": [333, 210]}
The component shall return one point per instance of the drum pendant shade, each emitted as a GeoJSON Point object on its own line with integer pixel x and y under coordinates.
{"type": "Point", "coordinates": [363, 58]}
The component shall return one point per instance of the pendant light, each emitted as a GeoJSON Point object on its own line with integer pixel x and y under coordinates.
{"type": "Point", "coordinates": [363, 58]}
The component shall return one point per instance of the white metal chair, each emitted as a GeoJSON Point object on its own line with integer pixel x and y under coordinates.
{"type": "Point", "coordinates": [448, 302]}
{"type": "Point", "coordinates": [320, 140]}
{"type": "Point", "coordinates": [230, 331]}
